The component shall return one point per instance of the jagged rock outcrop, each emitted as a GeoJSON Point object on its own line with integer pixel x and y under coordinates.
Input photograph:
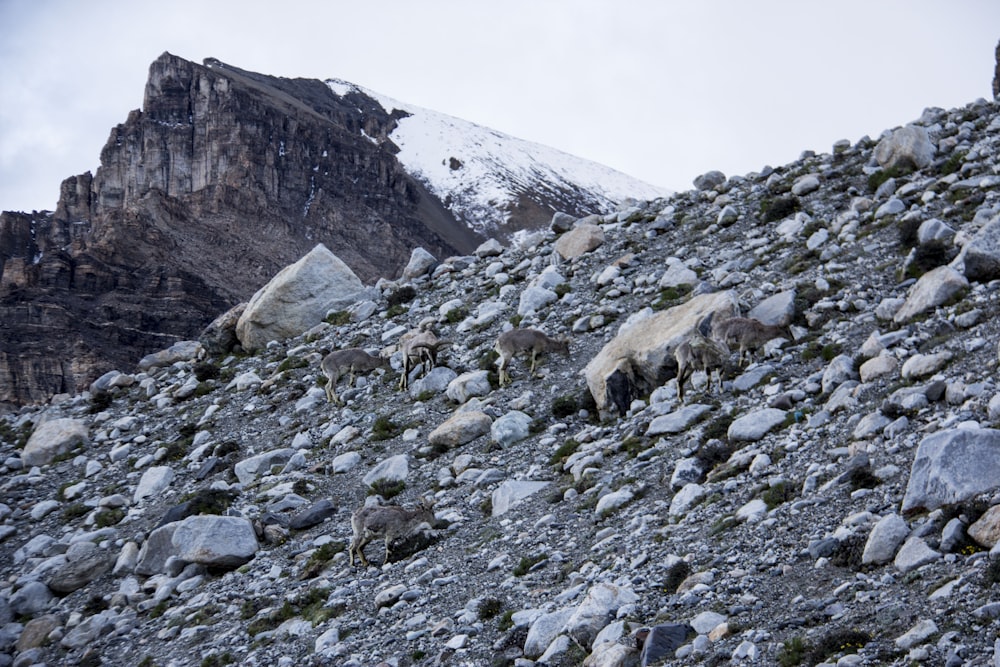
{"type": "Point", "coordinates": [224, 177]}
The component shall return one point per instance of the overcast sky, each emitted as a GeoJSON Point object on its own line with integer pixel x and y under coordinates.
{"type": "Point", "coordinates": [659, 89]}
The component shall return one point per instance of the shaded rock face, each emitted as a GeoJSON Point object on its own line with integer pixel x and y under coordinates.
{"type": "Point", "coordinates": [221, 180]}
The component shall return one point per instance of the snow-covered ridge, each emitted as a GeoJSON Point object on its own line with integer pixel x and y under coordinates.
{"type": "Point", "coordinates": [479, 173]}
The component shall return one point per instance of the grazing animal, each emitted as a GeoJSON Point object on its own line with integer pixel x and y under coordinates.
{"type": "Point", "coordinates": [390, 522]}
{"type": "Point", "coordinates": [515, 341]}
{"type": "Point", "coordinates": [351, 360]}
{"type": "Point", "coordinates": [698, 353]}
{"type": "Point", "coordinates": [749, 334]}
{"type": "Point", "coordinates": [419, 347]}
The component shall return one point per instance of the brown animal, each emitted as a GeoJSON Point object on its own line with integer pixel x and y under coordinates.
{"type": "Point", "coordinates": [390, 522]}
{"type": "Point", "coordinates": [749, 334]}
{"type": "Point", "coordinates": [698, 353]}
{"type": "Point", "coordinates": [515, 341]}
{"type": "Point", "coordinates": [351, 360]}
{"type": "Point", "coordinates": [419, 347]}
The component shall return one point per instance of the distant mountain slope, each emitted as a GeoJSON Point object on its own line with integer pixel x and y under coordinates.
{"type": "Point", "coordinates": [224, 177]}
{"type": "Point", "coordinates": [478, 172]}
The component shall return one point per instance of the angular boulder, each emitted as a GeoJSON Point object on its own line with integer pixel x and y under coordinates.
{"type": "Point", "coordinates": [298, 298]}
{"type": "Point", "coordinates": [641, 357]}
{"type": "Point", "coordinates": [579, 241]}
{"type": "Point", "coordinates": [934, 288]}
{"type": "Point", "coordinates": [953, 466]}
{"type": "Point", "coordinates": [979, 259]}
{"type": "Point", "coordinates": [460, 428]}
{"type": "Point", "coordinates": [907, 147]}
{"type": "Point", "coordinates": [183, 350]}
{"type": "Point", "coordinates": [219, 337]}
{"type": "Point", "coordinates": [53, 439]}
{"type": "Point", "coordinates": [207, 539]}
{"type": "Point", "coordinates": [420, 263]}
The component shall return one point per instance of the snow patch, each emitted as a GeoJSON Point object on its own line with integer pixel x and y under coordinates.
{"type": "Point", "coordinates": [480, 171]}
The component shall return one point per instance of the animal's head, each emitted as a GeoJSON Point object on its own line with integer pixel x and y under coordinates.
{"type": "Point", "coordinates": [561, 344]}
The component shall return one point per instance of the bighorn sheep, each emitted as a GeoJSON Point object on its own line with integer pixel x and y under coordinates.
{"type": "Point", "coordinates": [748, 333]}
{"type": "Point", "coordinates": [351, 360]}
{"type": "Point", "coordinates": [390, 522]}
{"type": "Point", "coordinates": [516, 341]}
{"type": "Point", "coordinates": [696, 352]}
{"type": "Point", "coordinates": [419, 347]}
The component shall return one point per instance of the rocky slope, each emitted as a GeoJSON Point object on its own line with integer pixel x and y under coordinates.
{"type": "Point", "coordinates": [224, 177]}
{"type": "Point", "coordinates": [796, 517]}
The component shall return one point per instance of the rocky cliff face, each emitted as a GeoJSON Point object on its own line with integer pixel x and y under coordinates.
{"type": "Point", "coordinates": [221, 179]}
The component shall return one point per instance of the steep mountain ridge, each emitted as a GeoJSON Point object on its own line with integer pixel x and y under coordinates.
{"type": "Point", "coordinates": [781, 520]}
{"type": "Point", "coordinates": [221, 179]}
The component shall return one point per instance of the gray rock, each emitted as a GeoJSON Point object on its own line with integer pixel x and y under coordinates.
{"type": "Point", "coordinates": [689, 495]}
{"type": "Point", "coordinates": [490, 248]}
{"type": "Point", "coordinates": [923, 365]}
{"type": "Point", "coordinates": [678, 420]}
{"type": "Point", "coordinates": [435, 382]}
{"type": "Point", "coordinates": [754, 426]}
{"type": "Point", "coordinates": [52, 439]}
{"type": "Point", "coordinates": [219, 337]}
{"type": "Point", "coordinates": [510, 428]}
{"type": "Point", "coordinates": [640, 357]}
{"type": "Point", "coordinates": [153, 482]}
{"type": "Point", "coordinates": [393, 469]}
{"type": "Point", "coordinates": [751, 378]}
{"type": "Point", "coordinates": [185, 350]}
{"type": "Point", "coordinates": [727, 216]}
{"type": "Point", "coordinates": [313, 515]}
{"type": "Point", "coordinates": [544, 630]}
{"type": "Point", "coordinates": [89, 630]}
{"type": "Point", "coordinates": [85, 562]}
{"type": "Point", "coordinates": [561, 222]}
{"type": "Point", "coordinates": [511, 492]}
{"type": "Point", "coordinates": [952, 466]}
{"type": "Point", "coordinates": [838, 371]}
{"type": "Point", "coordinates": [676, 274]}
{"type": "Point", "coordinates": [934, 288]}
{"type": "Point", "coordinates": [805, 184]}
{"type": "Point", "coordinates": [709, 180]}
{"type": "Point", "coordinates": [468, 385]}
{"type": "Point", "coordinates": [914, 553]}
{"type": "Point", "coordinates": [883, 365]}
{"type": "Point", "coordinates": [534, 299]}
{"type": "Point", "coordinates": [250, 469]}
{"type": "Point", "coordinates": [460, 428]}
{"type": "Point", "coordinates": [776, 309]}
{"type": "Point", "coordinates": [979, 259]}
{"type": "Point", "coordinates": [907, 147]}
{"type": "Point", "coordinates": [420, 263]}
{"type": "Point", "coordinates": [918, 634]}
{"type": "Point", "coordinates": [580, 240]}
{"type": "Point", "coordinates": [610, 502]}
{"type": "Point", "coordinates": [298, 298]}
{"type": "Point", "coordinates": [884, 539]}
{"type": "Point", "coordinates": [986, 529]}
{"type": "Point", "coordinates": [892, 207]}
{"type": "Point", "coordinates": [932, 230]}
{"type": "Point", "coordinates": [344, 462]}
{"type": "Point", "coordinates": [685, 471]}
{"type": "Point", "coordinates": [597, 610]}
{"type": "Point", "coordinates": [31, 599]}
{"type": "Point", "coordinates": [215, 541]}
{"type": "Point", "coordinates": [870, 426]}
{"type": "Point", "coordinates": [663, 641]}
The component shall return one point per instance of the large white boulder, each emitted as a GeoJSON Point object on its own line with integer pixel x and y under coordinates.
{"type": "Point", "coordinates": [641, 357]}
{"type": "Point", "coordinates": [298, 298]}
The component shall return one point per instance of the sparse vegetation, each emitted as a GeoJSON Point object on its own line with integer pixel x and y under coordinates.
{"type": "Point", "coordinates": [384, 428]}
{"type": "Point", "coordinates": [528, 562]}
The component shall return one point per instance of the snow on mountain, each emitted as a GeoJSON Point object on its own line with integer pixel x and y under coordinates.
{"type": "Point", "coordinates": [480, 173]}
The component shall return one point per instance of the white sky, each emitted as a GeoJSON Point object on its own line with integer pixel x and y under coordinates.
{"type": "Point", "coordinates": [663, 90]}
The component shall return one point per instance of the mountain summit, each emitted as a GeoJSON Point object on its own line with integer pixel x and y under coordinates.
{"type": "Point", "coordinates": [224, 177]}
